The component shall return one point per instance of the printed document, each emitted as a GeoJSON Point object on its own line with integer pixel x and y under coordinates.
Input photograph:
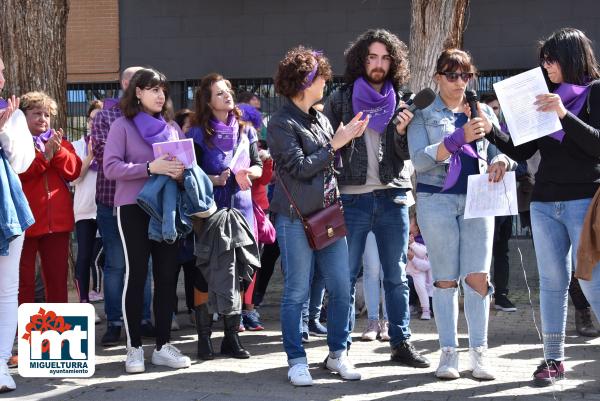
{"type": "Point", "coordinates": [182, 149]}
{"type": "Point", "coordinates": [516, 96]}
{"type": "Point", "coordinates": [486, 198]}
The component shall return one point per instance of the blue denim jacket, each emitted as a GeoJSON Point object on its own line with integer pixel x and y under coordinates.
{"type": "Point", "coordinates": [15, 213]}
{"type": "Point", "coordinates": [170, 209]}
{"type": "Point", "coordinates": [427, 130]}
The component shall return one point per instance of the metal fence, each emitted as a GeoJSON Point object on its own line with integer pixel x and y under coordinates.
{"type": "Point", "coordinates": [79, 95]}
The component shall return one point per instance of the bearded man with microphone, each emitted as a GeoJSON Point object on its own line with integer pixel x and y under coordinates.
{"type": "Point", "coordinates": [374, 190]}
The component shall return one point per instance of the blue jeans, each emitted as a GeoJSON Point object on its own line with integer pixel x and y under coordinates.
{"type": "Point", "coordinates": [114, 269]}
{"type": "Point", "coordinates": [384, 212]}
{"type": "Point", "coordinates": [556, 227]}
{"type": "Point", "coordinates": [311, 310]}
{"type": "Point", "coordinates": [372, 279]}
{"type": "Point", "coordinates": [456, 248]}
{"type": "Point", "coordinates": [298, 262]}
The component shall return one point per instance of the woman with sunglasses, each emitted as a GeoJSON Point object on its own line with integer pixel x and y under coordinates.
{"type": "Point", "coordinates": [567, 179]}
{"type": "Point", "coordinates": [442, 136]}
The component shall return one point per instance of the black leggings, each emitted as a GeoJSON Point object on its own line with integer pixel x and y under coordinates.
{"type": "Point", "coordinates": [133, 227]}
{"type": "Point", "coordinates": [267, 266]}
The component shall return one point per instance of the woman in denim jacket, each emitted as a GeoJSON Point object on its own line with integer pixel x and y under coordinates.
{"type": "Point", "coordinates": [439, 137]}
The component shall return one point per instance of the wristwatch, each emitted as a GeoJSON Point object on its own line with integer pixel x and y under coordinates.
{"type": "Point", "coordinates": [148, 169]}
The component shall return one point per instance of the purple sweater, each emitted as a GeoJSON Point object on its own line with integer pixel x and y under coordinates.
{"type": "Point", "coordinates": [125, 158]}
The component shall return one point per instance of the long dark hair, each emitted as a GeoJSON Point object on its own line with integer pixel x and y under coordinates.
{"type": "Point", "coordinates": [574, 53]}
{"type": "Point", "coordinates": [146, 78]}
{"type": "Point", "coordinates": [357, 53]}
{"type": "Point", "coordinates": [203, 112]}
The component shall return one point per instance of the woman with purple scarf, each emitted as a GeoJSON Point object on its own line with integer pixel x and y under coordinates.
{"type": "Point", "coordinates": [221, 138]}
{"type": "Point", "coordinates": [446, 146]}
{"type": "Point", "coordinates": [84, 207]}
{"type": "Point", "coordinates": [129, 160]}
{"type": "Point", "coordinates": [567, 179]}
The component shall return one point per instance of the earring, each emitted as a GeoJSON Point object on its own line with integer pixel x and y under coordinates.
{"type": "Point", "coordinates": [139, 102]}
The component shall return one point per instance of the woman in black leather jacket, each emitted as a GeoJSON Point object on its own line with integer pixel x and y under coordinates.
{"type": "Point", "coordinates": [303, 146]}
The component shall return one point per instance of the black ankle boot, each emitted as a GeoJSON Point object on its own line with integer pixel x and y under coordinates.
{"type": "Point", "coordinates": [203, 327]}
{"type": "Point", "coordinates": [231, 344]}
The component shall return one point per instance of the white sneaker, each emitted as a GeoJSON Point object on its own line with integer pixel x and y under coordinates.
{"type": "Point", "coordinates": [371, 332]}
{"type": "Point", "coordinates": [343, 366]}
{"type": "Point", "coordinates": [426, 314]}
{"type": "Point", "coordinates": [478, 364]}
{"type": "Point", "coordinates": [299, 375]}
{"type": "Point", "coordinates": [135, 360]}
{"type": "Point", "coordinates": [170, 356]}
{"type": "Point", "coordinates": [174, 324]}
{"type": "Point", "coordinates": [6, 381]}
{"type": "Point", "coordinates": [97, 318]}
{"type": "Point", "coordinates": [448, 367]}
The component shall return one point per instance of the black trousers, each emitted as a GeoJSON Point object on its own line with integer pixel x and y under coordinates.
{"type": "Point", "coordinates": [267, 266]}
{"type": "Point", "coordinates": [133, 227]}
{"type": "Point", "coordinates": [502, 233]}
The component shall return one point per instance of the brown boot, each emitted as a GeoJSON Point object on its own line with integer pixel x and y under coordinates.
{"type": "Point", "coordinates": [583, 323]}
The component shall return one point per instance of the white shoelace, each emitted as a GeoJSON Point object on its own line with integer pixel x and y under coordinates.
{"type": "Point", "coordinates": [171, 350]}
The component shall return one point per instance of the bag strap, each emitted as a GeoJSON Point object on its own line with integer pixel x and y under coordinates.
{"type": "Point", "coordinates": [291, 199]}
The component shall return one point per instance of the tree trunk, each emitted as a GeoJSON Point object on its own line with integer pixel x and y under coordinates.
{"type": "Point", "coordinates": [435, 25]}
{"type": "Point", "coordinates": [33, 37]}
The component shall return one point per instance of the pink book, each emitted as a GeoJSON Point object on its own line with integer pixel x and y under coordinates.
{"type": "Point", "coordinates": [182, 149]}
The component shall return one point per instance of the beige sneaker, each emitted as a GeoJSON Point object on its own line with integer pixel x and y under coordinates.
{"type": "Point", "coordinates": [371, 332]}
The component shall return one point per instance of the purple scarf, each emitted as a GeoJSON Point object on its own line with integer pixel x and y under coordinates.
{"type": "Point", "coordinates": [419, 239]}
{"type": "Point", "coordinates": [152, 129]}
{"type": "Point", "coordinates": [40, 140]}
{"type": "Point", "coordinates": [225, 135]}
{"type": "Point", "coordinates": [380, 106]}
{"type": "Point", "coordinates": [3, 104]}
{"type": "Point", "coordinates": [94, 163]}
{"type": "Point", "coordinates": [573, 97]}
{"type": "Point", "coordinates": [110, 102]}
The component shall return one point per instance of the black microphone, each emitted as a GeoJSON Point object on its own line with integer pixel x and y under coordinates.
{"type": "Point", "coordinates": [472, 99]}
{"type": "Point", "coordinates": [420, 101]}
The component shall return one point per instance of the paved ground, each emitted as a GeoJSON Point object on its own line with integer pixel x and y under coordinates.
{"type": "Point", "coordinates": [515, 350]}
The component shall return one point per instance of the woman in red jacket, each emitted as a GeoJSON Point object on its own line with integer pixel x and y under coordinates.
{"type": "Point", "coordinates": [45, 186]}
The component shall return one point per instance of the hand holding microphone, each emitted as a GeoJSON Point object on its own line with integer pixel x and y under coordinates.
{"type": "Point", "coordinates": [478, 125]}
{"type": "Point", "coordinates": [404, 113]}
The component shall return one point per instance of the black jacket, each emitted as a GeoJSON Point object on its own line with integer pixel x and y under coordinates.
{"type": "Point", "coordinates": [297, 142]}
{"type": "Point", "coordinates": [570, 169]}
{"type": "Point", "coordinates": [393, 149]}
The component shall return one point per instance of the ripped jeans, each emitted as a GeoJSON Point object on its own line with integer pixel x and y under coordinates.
{"type": "Point", "coordinates": [456, 248]}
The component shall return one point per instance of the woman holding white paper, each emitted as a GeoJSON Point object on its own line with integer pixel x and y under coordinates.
{"type": "Point", "coordinates": [442, 136]}
{"type": "Point", "coordinates": [226, 149]}
{"type": "Point", "coordinates": [567, 179]}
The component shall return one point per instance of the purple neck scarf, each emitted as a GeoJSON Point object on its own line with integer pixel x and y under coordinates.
{"type": "Point", "coordinates": [573, 97]}
{"type": "Point", "coordinates": [40, 140]}
{"type": "Point", "coordinates": [419, 239]}
{"type": "Point", "coordinates": [94, 163]}
{"type": "Point", "coordinates": [225, 135]}
{"type": "Point", "coordinates": [3, 104]}
{"type": "Point", "coordinates": [153, 129]}
{"type": "Point", "coordinates": [380, 106]}
{"type": "Point", "coordinates": [110, 102]}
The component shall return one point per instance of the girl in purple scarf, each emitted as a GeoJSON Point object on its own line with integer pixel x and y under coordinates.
{"type": "Point", "coordinates": [567, 179]}
{"type": "Point", "coordinates": [218, 135]}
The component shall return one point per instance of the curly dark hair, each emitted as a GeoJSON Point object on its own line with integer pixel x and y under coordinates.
{"type": "Point", "coordinates": [202, 111]}
{"type": "Point", "coordinates": [295, 67]}
{"type": "Point", "coordinates": [356, 56]}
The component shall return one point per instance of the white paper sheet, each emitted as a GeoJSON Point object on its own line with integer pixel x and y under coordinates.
{"type": "Point", "coordinates": [516, 96]}
{"type": "Point", "coordinates": [486, 198]}
{"type": "Point", "coordinates": [241, 157]}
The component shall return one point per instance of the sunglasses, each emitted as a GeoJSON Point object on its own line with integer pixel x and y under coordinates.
{"type": "Point", "coordinates": [453, 76]}
{"type": "Point", "coordinates": [547, 61]}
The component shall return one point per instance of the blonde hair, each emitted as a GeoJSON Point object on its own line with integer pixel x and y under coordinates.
{"type": "Point", "coordinates": [32, 100]}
